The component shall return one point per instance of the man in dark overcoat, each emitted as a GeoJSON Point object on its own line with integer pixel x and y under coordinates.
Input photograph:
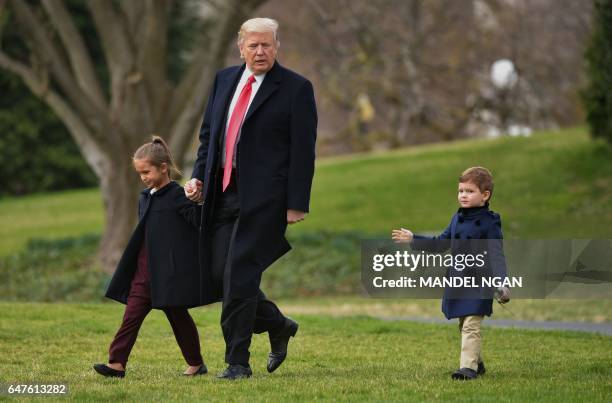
{"type": "Point", "coordinates": [253, 173]}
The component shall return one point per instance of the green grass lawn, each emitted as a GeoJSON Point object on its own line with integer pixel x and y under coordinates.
{"type": "Point", "coordinates": [551, 185]}
{"type": "Point", "coordinates": [49, 216]}
{"type": "Point", "coordinates": [332, 358]}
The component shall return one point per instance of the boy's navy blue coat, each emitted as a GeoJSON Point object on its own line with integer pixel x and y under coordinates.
{"type": "Point", "coordinates": [168, 224]}
{"type": "Point", "coordinates": [476, 223]}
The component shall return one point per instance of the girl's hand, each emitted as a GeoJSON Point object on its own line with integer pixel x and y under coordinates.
{"type": "Point", "coordinates": [193, 190]}
{"type": "Point", "coordinates": [402, 235]}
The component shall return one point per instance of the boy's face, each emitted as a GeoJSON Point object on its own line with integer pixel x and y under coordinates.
{"type": "Point", "coordinates": [151, 175]}
{"type": "Point", "coordinates": [469, 195]}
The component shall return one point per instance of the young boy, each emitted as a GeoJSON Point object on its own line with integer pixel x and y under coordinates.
{"type": "Point", "coordinates": [475, 221]}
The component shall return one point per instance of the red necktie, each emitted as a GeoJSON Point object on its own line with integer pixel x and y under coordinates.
{"type": "Point", "coordinates": [234, 127]}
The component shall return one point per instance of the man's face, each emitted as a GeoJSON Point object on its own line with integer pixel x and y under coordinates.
{"type": "Point", "coordinates": [259, 51]}
{"type": "Point", "coordinates": [469, 195]}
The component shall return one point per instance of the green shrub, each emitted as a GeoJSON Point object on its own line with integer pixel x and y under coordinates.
{"type": "Point", "coordinates": [321, 263]}
{"type": "Point", "coordinates": [53, 270]}
{"type": "Point", "coordinates": [37, 153]}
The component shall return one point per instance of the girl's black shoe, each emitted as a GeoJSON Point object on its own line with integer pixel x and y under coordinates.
{"type": "Point", "coordinates": [201, 371]}
{"type": "Point", "coordinates": [107, 371]}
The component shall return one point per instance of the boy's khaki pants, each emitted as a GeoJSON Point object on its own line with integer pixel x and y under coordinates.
{"type": "Point", "coordinates": [469, 326]}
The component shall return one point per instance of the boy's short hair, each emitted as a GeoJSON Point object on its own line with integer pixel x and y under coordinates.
{"type": "Point", "coordinates": [480, 176]}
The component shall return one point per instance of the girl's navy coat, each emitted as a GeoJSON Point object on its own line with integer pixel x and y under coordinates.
{"type": "Point", "coordinates": [476, 223]}
{"type": "Point", "coordinates": [168, 224]}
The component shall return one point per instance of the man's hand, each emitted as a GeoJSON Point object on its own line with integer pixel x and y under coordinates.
{"type": "Point", "coordinates": [294, 216]}
{"type": "Point", "coordinates": [502, 295]}
{"type": "Point", "coordinates": [402, 235]}
{"type": "Point", "coordinates": [193, 190]}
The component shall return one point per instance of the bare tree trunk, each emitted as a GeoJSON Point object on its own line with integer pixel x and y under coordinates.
{"type": "Point", "coordinates": [120, 187]}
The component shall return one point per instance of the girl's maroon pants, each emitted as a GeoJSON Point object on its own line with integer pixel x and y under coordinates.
{"type": "Point", "coordinates": [138, 306]}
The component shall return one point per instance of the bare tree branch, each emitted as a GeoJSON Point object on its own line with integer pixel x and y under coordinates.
{"type": "Point", "coordinates": [190, 96]}
{"type": "Point", "coordinates": [152, 56]}
{"type": "Point", "coordinates": [134, 12]}
{"type": "Point", "coordinates": [79, 129]}
{"type": "Point", "coordinates": [113, 34]}
{"type": "Point", "coordinates": [118, 49]}
{"type": "Point", "coordinates": [46, 48]}
{"type": "Point", "coordinates": [76, 50]}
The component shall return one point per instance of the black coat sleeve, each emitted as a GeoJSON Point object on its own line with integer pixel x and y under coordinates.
{"type": "Point", "coordinates": [303, 134]}
{"type": "Point", "coordinates": [187, 209]}
{"type": "Point", "coordinates": [204, 137]}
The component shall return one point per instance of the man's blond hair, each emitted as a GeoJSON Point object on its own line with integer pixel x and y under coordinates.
{"type": "Point", "coordinates": [258, 25]}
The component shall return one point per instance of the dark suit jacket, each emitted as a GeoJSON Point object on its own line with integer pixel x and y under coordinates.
{"type": "Point", "coordinates": [274, 162]}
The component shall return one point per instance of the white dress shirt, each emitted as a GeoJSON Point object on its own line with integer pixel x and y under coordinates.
{"type": "Point", "coordinates": [254, 87]}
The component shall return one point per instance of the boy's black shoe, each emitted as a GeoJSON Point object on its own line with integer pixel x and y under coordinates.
{"type": "Point", "coordinates": [105, 370]}
{"type": "Point", "coordinates": [279, 342]}
{"type": "Point", "coordinates": [464, 374]}
{"type": "Point", "coordinates": [201, 371]}
{"type": "Point", "coordinates": [481, 368]}
{"type": "Point", "coordinates": [236, 371]}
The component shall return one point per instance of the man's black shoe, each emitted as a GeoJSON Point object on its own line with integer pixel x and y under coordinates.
{"type": "Point", "coordinates": [236, 371]}
{"type": "Point", "coordinates": [481, 368]}
{"type": "Point", "coordinates": [279, 342]}
{"type": "Point", "coordinates": [105, 370]}
{"type": "Point", "coordinates": [464, 374]}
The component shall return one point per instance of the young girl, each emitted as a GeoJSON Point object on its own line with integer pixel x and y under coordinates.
{"type": "Point", "coordinates": [159, 267]}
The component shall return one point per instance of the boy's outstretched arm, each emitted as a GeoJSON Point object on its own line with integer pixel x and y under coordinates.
{"type": "Point", "coordinates": [436, 244]}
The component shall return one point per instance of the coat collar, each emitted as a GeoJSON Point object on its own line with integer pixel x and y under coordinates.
{"type": "Point", "coordinates": [170, 185]}
{"type": "Point", "coordinates": [472, 211]}
{"type": "Point", "coordinates": [268, 87]}
{"type": "Point", "coordinates": [230, 83]}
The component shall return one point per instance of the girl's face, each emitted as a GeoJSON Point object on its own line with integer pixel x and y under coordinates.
{"type": "Point", "coordinates": [469, 195]}
{"type": "Point", "coordinates": [151, 175]}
